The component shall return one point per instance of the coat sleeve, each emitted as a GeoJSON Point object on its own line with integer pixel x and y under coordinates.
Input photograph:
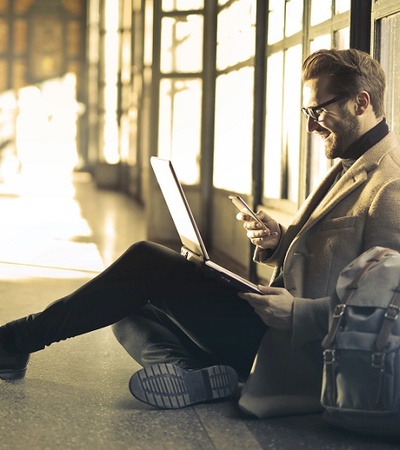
{"type": "Point", "coordinates": [383, 223]}
{"type": "Point", "coordinates": [382, 228]}
{"type": "Point", "coordinates": [310, 320]}
{"type": "Point", "coordinates": [269, 257]}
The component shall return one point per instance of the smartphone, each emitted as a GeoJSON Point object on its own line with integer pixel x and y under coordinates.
{"type": "Point", "coordinates": [241, 204]}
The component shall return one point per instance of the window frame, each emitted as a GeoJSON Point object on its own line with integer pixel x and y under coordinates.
{"type": "Point", "coordinates": [336, 22]}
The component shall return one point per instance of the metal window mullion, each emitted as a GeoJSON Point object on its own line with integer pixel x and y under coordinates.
{"type": "Point", "coordinates": [360, 13]}
{"type": "Point", "coordinates": [207, 131]}
{"type": "Point", "coordinates": [156, 79]}
{"type": "Point", "coordinates": [259, 112]}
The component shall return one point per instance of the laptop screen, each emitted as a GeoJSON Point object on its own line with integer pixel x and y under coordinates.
{"type": "Point", "coordinates": [178, 206]}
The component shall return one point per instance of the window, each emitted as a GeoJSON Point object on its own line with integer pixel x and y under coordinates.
{"type": "Point", "coordinates": [172, 5]}
{"type": "Point", "coordinates": [181, 44]}
{"type": "Point", "coordinates": [109, 80]}
{"type": "Point", "coordinates": [293, 161]}
{"type": "Point", "coordinates": [233, 130]}
{"type": "Point", "coordinates": [284, 57]}
{"type": "Point", "coordinates": [181, 66]}
{"type": "Point", "coordinates": [389, 50]}
{"type": "Point", "coordinates": [126, 146]}
{"type": "Point", "coordinates": [234, 95]}
{"type": "Point", "coordinates": [334, 32]}
{"type": "Point", "coordinates": [179, 126]}
{"type": "Point", "coordinates": [281, 170]}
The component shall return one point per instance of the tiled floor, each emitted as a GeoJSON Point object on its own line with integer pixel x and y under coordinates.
{"type": "Point", "coordinates": [55, 235]}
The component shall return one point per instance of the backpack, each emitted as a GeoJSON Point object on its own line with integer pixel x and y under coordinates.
{"type": "Point", "coordinates": [361, 373]}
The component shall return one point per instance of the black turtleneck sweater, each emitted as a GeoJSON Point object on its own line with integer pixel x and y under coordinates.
{"type": "Point", "coordinates": [364, 143]}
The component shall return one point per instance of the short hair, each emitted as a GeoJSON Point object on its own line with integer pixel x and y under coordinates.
{"type": "Point", "coordinates": [350, 71]}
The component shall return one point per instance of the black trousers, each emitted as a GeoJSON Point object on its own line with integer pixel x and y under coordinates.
{"type": "Point", "coordinates": [164, 310]}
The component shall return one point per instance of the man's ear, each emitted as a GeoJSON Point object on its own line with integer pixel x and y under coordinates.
{"type": "Point", "coordinates": [363, 100]}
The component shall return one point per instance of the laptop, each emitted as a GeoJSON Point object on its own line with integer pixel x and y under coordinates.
{"type": "Point", "coordinates": [193, 247]}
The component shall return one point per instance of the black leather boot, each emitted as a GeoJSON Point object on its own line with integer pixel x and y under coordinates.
{"type": "Point", "coordinates": [168, 386]}
{"type": "Point", "coordinates": [12, 367]}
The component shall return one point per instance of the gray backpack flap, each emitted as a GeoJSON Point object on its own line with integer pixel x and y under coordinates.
{"type": "Point", "coordinates": [361, 376]}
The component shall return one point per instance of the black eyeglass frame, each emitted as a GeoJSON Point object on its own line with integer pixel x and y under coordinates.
{"type": "Point", "coordinates": [312, 111]}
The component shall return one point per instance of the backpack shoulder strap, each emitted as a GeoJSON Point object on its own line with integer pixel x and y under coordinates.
{"type": "Point", "coordinates": [391, 315]}
{"type": "Point", "coordinates": [378, 358]}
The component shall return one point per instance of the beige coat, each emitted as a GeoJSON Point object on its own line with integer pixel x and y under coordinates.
{"type": "Point", "coordinates": [332, 228]}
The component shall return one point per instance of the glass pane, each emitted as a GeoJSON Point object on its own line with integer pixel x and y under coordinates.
{"type": "Point", "coordinates": [182, 44]}
{"type": "Point", "coordinates": [20, 36]}
{"type": "Point", "coordinates": [3, 75]}
{"type": "Point", "coordinates": [291, 118]}
{"type": "Point", "coordinates": [236, 33]}
{"type": "Point", "coordinates": [389, 50]}
{"type": "Point", "coordinates": [4, 45]}
{"type": "Point", "coordinates": [74, 41]}
{"type": "Point", "coordinates": [126, 53]}
{"type": "Point", "coordinates": [19, 79]}
{"type": "Point", "coordinates": [282, 144]}
{"type": "Point", "coordinates": [320, 42]}
{"type": "Point", "coordinates": [181, 5]}
{"type": "Point", "coordinates": [179, 126]}
{"type": "Point", "coordinates": [234, 130]}
{"type": "Point", "coordinates": [124, 134]}
{"type": "Point", "coordinates": [22, 6]}
{"type": "Point", "coordinates": [342, 38]}
{"type": "Point", "coordinates": [342, 6]}
{"type": "Point", "coordinates": [110, 132]}
{"type": "Point", "coordinates": [74, 67]}
{"type": "Point", "coordinates": [294, 17]}
{"type": "Point", "coordinates": [73, 6]}
{"type": "Point", "coordinates": [321, 10]}
{"type": "Point", "coordinates": [276, 21]}
{"type": "Point", "coordinates": [9, 114]}
{"type": "Point", "coordinates": [148, 34]}
{"type": "Point", "coordinates": [318, 163]}
{"type": "Point", "coordinates": [273, 127]}
{"type": "Point", "coordinates": [3, 5]}
{"type": "Point", "coordinates": [126, 16]}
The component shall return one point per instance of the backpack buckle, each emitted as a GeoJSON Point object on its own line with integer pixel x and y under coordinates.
{"type": "Point", "coordinates": [378, 360]}
{"type": "Point", "coordinates": [392, 312]}
{"type": "Point", "coordinates": [339, 310]}
{"type": "Point", "coordinates": [329, 356]}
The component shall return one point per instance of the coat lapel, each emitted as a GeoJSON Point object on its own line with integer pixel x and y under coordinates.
{"type": "Point", "coordinates": [309, 206]}
{"type": "Point", "coordinates": [339, 191]}
{"type": "Point", "coordinates": [352, 179]}
{"type": "Point", "coordinates": [326, 196]}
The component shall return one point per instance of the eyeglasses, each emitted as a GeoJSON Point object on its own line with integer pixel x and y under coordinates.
{"type": "Point", "coordinates": [315, 111]}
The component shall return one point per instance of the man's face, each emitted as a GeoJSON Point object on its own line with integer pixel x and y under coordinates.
{"type": "Point", "coordinates": [337, 126]}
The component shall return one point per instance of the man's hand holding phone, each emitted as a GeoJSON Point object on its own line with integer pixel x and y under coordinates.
{"type": "Point", "coordinates": [262, 230]}
{"type": "Point", "coordinates": [273, 305]}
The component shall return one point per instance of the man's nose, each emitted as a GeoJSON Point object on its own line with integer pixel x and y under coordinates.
{"type": "Point", "coordinates": [312, 124]}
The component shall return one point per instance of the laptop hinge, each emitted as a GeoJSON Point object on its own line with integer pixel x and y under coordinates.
{"type": "Point", "coordinates": [190, 256]}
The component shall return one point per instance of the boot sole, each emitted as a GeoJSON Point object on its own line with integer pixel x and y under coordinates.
{"type": "Point", "coordinates": [170, 387]}
{"type": "Point", "coordinates": [12, 374]}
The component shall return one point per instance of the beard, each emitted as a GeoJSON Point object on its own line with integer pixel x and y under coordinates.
{"type": "Point", "coordinates": [345, 133]}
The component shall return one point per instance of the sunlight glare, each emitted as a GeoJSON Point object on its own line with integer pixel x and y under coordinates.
{"type": "Point", "coordinates": [43, 232]}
